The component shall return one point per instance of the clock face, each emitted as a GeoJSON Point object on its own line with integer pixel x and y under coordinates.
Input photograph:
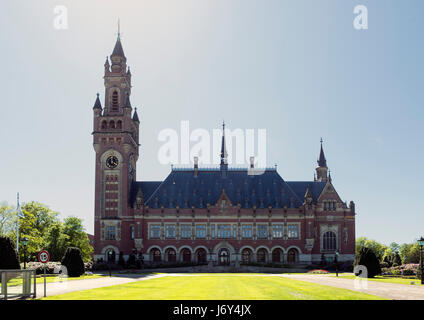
{"type": "Point", "coordinates": [112, 162]}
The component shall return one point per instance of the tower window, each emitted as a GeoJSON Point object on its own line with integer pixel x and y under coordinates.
{"type": "Point", "coordinates": [112, 124]}
{"type": "Point", "coordinates": [104, 124]}
{"type": "Point", "coordinates": [119, 124]}
{"type": "Point", "coordinates": [115, 101]}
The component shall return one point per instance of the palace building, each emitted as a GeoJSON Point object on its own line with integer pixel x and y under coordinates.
{"type": "Point", "coordinates": [220, 216]}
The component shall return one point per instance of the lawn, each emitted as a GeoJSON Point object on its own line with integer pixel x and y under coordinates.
{"type": "Point", "coordinates": [386, 279]}
{"type": "Point", "coordinates": [217, 287]}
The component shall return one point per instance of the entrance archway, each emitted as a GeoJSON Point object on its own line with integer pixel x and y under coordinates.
{"type": "Point", "coordinates": [246, 255]}
{"type": "Point", "coordinates": [201, 256]}
{"type": "Point", "coordinates": [186, 255]}
{"type": "Point", "coordinates": [111, 256]}
{"type": "Point", "coordinates": [224, 257]}
{"type": "Point", "coordinates": [292, 255]}
{"type": "Point", "coordinates": [170, 255]}
{"type": "Point", "coordinates": [277, 255]}
{"type": "Point", "coordinates": [261, 255]}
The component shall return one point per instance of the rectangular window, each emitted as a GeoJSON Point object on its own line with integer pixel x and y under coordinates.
{"type": "Point", "coordinates": [262, 231]}
{"type": "Point", "coordinates": [132, 231]}
{"type": "Point", "coordinates": [246, 231]}
{"type": "Point", "coordinates": [110, 233]}
{"type": "Point", "coordinates": [200, 231]}
{"type": "Point", "coordinates": [170, 231]}
{"type": "Point", "coordinates": [293, 231]}
{"type": "Point", "coordinates": [234, 231]}
{"type": "Point", "coordinates": [155, 231]}
{"type": "Point", "coordinates": [212, 231]}
{"type": "Point", "coordinates": [224, 231]}
{"type": "Point", "coordinates": [185, 231]}
{"type": "Point", "coordinates": [277, 231]}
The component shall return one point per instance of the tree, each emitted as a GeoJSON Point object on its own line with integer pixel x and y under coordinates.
{"type": "Point", "coordinates": [56, 241]}
{"type": "Point", "coordinates": [397, 261]}
{"type": "Point", "coordinates": [376, 247]}
{"type": "Point", "coordinates": [7, 219]}
{"type": "Point", "coordinates": [73, 262]}
{"type": "Point", "coordinates": [77, 237]}
{"type": "Point", "coordinates": [8, 257]}
{"type": "Point", "coordinates": [366, 257]}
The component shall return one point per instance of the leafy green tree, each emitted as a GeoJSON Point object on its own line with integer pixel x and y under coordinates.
{"type": "Point", "coordinates": [77, 237]}
{"type": "Point", "coordinates": [376, 247]}
{"type": "Point", "coordinates": [56, 241]}
{"type": "Point", "coordinates": [7, 219]}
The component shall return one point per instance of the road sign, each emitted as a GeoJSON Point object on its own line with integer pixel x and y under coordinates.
{"type": "Point", "coordinates": [44, 256]}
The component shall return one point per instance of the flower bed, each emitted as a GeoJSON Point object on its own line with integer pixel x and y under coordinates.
{"type": "Point", "coordinates": [411, 269]}
{"type": "Point", "coordinates": [318, 271]}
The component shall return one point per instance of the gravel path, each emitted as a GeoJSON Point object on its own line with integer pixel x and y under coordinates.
{"type": "Point", "coordinates": [392, 291]}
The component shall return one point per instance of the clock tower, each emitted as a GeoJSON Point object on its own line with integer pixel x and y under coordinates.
{"type": "Point", "coordinates": [116, 143]}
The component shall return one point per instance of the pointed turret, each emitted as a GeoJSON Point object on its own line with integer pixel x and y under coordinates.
{"type": "Point", "coordinates": [127, 103]}
{"type": "Point", "coordinates": [97, 103]}
{"type": "Point", "coordinates": [118, 50]}
{"type": "Point", "coordinates": [322, 162]}
{"type": "Point", "coordinates": [135, 116]}
{"type": "Point", "coordinates": [322, 166]}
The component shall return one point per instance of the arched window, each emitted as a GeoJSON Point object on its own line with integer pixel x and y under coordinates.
{"type": "Point", "coordinates": [329, 241]}
{"type": "Point", "coordinates": [115, 101]}
{"type": "Point", "coordinates": [112, 124]}
{"type": "Point", "coordinates": [119, 124]}
{"type": "Point", "coordinates": [104, 124]}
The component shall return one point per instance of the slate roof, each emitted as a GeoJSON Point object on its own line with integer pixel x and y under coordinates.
{"type": "Point", "coordinates": [118, 50]}
{"type": "Point", "coordinates": [183, 189]}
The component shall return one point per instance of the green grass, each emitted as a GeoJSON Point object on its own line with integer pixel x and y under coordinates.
{"type": "Point", "coordinates": [386, 279]}
{"type": "Point", "coordinates": [222, 287]}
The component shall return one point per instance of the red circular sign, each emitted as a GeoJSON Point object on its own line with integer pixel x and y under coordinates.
{"type": "Point", "coordinates": [43, 256]}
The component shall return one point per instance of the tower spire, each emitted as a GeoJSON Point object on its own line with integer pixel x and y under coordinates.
{"type": "Point", "coordinates": [322, 166]}
{"type": "Point", "coordinates": [119, 30]}
{"type": "Point", "coordinates": [223, 147]}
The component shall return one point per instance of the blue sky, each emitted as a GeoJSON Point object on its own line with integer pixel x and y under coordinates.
{"type": "Point", "coordinates": [294, 67]}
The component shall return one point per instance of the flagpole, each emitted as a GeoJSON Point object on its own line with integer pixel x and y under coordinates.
{"type": "Point", "coordinates": [17, 226]}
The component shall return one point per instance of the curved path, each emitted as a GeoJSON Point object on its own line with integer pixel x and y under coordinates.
{"type": "Point", "coordinates": [392, 291]}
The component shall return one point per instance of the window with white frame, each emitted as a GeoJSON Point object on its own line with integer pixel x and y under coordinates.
{"type": "Point", "coordinates": [132, 232]}
{"type": "Point", "coordinates": [170, 231]}
{"type": "Point", "coordinates": [277, 231]}
{"type": "Point", "coordinates": [154, 231]}
{"type": "Point", "coordinates": [224, 231]}
{"type": "Point", "coordinates": [110, 233]}
{"type": "Point", "coordinates": [293, 231]}
{"type": "Point", "coordinates": [262, 231]}
{"type": "Point", "coordinates": [246, 231]}
{"type": "Point", "coordinates": [185, 231]}
{"type": "Point", "coordinates": [200, 231]}
{"type": "Point", "coordinates": [212, 231]}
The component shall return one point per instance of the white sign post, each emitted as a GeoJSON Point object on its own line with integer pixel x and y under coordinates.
{"type": "Point", "coordinates": [44, 257]}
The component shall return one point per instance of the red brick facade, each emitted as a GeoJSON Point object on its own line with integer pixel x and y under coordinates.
{"type": "Point", "coordinates": [198, 215]}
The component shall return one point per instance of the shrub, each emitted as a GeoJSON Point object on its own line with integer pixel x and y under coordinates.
{"type": "Point", "coordinates": [318, 271]}
{"type": "Point", "coordinates": [73, 262]}
{"type": "Point", "coordinates": [367, 258]}
{"type": "Point", "coordinates": [8, 256]}
{"type": "Point", "coordinates": [131, 263]}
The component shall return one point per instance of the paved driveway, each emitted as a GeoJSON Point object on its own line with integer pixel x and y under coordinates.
{"type": "Point", "coordinates": [383, 289]}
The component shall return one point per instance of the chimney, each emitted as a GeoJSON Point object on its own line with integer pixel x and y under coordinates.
{"type": "Point", "coordinates": [252, 166]}
{"type": "Point", "coordinates": [196, 166]}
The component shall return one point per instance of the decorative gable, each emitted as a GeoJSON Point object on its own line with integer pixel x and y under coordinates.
{"type": "Point", "coordinates": [223, 202]}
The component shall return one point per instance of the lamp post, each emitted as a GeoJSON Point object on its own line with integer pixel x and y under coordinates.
{"type": "Point", "coordinates": [336, 262]}
{"type": "Point", "coordinates": [421, 244]}
{"type": "Point", "coordinates": [25, 243]}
